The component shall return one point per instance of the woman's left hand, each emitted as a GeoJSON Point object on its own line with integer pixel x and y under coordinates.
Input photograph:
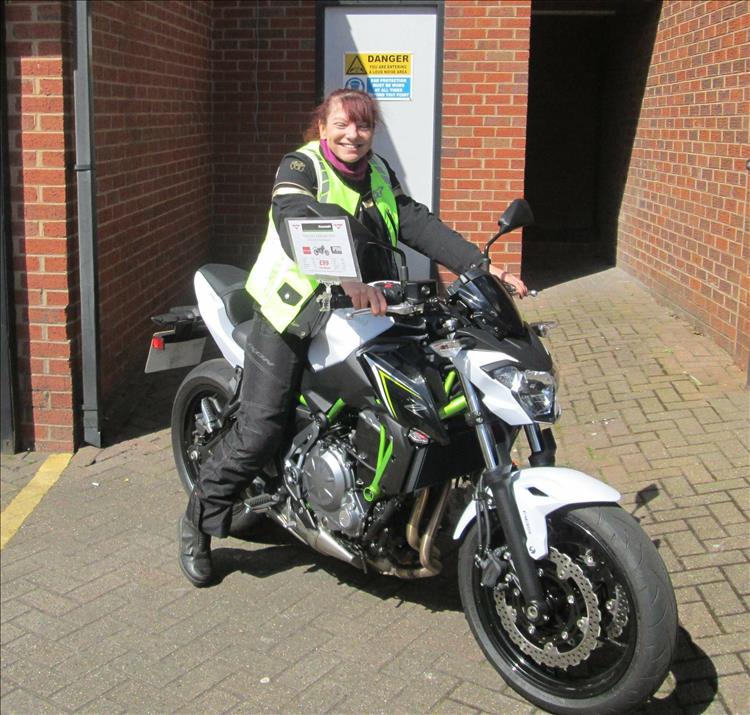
{"type": "Point", "coordinates": [505, 277]}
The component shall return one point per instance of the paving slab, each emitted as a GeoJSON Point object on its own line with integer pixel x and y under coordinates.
{"type": "Point", "coordinates": [96, 616]}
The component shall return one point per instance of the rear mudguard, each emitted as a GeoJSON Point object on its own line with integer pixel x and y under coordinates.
{"type": "Point", "coordinates": [540, 491]}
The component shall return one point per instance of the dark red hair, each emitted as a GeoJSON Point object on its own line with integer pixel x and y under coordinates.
{"type": "Point", "coordinates": [357, 105]}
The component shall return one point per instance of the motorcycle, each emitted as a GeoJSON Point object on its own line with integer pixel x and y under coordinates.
{"type": "Point", "coordinates": [403, 413]}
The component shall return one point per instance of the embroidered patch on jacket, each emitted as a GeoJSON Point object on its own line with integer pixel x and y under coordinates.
{"type": "Point", "coordinates": [297, 165]}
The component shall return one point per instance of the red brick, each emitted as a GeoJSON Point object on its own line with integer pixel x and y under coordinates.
{"type": "Point", "coordinates": [44, 211]}
{"type": "Point", "coordinates": [41, 140]}
{"type": "Point", "coordinates": [54, 195]}
{"type": "Point", "coordinates": [54, 418]}
{"type": "Point", "coordinates": [55, 229]}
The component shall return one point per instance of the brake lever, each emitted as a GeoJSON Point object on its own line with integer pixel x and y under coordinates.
{"type": "Point", "coordinates": [512, 290]}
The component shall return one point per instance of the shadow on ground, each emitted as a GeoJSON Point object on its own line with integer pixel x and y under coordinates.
{"type": "Point", "coordinates": [283, 552]}
{"type": "Point", "coordinates": [693, 672]}
{"type": "Point", "coordinates": [549, 265]}
{"type": "Point", "coordinates": [695, 678]}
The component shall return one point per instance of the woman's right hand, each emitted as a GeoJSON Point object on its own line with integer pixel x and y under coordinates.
{"type": "Point", "coordinates": [364, 296]}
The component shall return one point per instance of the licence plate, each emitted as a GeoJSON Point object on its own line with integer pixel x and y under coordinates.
{"type": "Point", "coordinates": [165, 353]}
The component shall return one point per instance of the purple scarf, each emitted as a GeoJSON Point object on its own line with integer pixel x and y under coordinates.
{"type": "Point", "coordinates": [354, 172]}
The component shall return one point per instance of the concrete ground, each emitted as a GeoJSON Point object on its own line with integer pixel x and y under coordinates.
{"type": "Point", "coordinates": [97, 618]}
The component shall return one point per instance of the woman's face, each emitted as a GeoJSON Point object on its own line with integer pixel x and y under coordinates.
{"type": "Point", "coordinates": [348, 140]}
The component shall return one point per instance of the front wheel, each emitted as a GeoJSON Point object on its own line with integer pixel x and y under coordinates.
{"type": "Point", "coordinates": [612, 624]}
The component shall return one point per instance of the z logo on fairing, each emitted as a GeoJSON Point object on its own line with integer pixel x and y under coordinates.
{"type": "Point", "coordinates": [416, 408]}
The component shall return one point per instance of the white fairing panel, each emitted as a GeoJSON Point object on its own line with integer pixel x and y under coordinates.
{"type": "Point", "coordinates": [214, 315]}
{"type": "Point", "coordinates": [497, 398]}
{"type": "Point", "coordinates": [346, 330]}
{"type": "Point", "coordinates": [538, 492]}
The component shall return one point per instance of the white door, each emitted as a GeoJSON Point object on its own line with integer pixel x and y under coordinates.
{"type": "Point", "coordinates": [391, 51]}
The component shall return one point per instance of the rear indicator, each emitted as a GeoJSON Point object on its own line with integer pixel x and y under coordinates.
{"type": "Point", "coordinates": [157, 342]}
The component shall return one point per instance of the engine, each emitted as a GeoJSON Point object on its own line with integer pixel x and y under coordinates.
{"type": "Point", "coordinates": [328, 480]}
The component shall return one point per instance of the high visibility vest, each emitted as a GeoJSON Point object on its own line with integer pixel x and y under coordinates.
{"type": "Point", "coordinates": [275, 281]}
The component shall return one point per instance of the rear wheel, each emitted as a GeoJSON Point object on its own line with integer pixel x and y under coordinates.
{"type": "Point", "coordinates": [192, 443]}
{"type": "Point", "coordinates": [611, 632]}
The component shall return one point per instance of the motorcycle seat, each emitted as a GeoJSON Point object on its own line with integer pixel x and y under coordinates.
{"type": "Point", "coordinates": [241, 333]}
{"type": "Point", "coordinates": [228, 282]}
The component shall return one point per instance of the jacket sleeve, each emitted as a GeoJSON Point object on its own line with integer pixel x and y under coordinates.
{"type": "Point", "coordinates": [294, 194]}
{"type": "Point", "coordinates": [421, 230]}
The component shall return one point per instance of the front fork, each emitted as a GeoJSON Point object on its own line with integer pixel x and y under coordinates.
{"type": "Point", "coordinates": [498, 478]}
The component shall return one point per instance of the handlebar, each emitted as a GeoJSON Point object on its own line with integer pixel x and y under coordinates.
{"type": "Point", "coordinates": [512, 290]}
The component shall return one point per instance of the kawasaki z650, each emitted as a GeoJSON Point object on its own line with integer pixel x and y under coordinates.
{"type": "Point", "coordinates": [402, 413]}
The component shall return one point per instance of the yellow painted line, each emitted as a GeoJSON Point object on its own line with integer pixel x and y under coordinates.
{"type": "Point", "coordinates": [27, 499]}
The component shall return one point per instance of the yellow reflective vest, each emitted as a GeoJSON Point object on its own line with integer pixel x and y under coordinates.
{"type": "Point", "coordinates": [275, 282]}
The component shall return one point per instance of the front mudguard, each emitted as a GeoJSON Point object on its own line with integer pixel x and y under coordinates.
{"type": "Point", "coordinates": [539, 491]}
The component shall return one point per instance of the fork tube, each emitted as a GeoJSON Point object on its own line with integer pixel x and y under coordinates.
{"type": "Point", "coordinates": [484, 433]}
{"type": "Point", "coordinates": [532, 435]}
{"type": "Point", "coordinates": [498, 477]}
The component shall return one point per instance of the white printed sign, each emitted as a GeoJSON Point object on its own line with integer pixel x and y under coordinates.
{"type": "Point", "coordinates": [323, 248]}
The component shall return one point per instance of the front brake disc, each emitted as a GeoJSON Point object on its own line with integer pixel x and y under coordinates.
{"type": "Point", "coordinates": [589, 625]}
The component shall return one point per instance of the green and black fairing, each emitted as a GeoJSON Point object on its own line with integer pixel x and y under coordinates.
{"type": "Point", "coordinates": [408, 386]}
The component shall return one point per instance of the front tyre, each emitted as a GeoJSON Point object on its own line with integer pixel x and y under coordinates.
{"type": "Point", "coordinates": [192, 443]}
{"type": "Point", "coordinates": [612, 628]}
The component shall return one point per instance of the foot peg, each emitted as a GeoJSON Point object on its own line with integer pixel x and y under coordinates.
{"type": "Point", "coordinates": [261, 503]}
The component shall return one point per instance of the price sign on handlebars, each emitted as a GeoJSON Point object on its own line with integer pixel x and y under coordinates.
{"type": "Point", "coordinates": [323, 248]}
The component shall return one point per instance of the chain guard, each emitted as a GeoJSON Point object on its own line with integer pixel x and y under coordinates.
{"type": "Point", "coordinates": [589, 625]}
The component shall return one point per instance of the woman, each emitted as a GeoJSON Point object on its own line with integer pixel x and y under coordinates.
{"type": "Point", "coordinates": [335, 171]}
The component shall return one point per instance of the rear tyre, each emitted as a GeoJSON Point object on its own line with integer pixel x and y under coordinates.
{"type": "Point", "coordinates": [192, 444]}
{"type": "Point", "coordinates": [612, 628]}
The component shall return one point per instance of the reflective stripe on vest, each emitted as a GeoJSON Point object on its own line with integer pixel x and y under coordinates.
{"type": "Point", "coordinates": [275, 281]}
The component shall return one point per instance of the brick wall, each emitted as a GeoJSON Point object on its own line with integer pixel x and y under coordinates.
{"type": "Point", "coordinates": [684, 224]}
{"type": "Point", "coordinates": [486, 54]}
{"type": "Point", "coordinates": [152, 103]}
{"type": "Point", "coordinates": [39, 87]}
{"type": "Point", "coordinates": [264, 69]}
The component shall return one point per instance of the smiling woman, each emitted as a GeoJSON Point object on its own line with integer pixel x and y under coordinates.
{"type": "Point", "coordinates": [347, 136]}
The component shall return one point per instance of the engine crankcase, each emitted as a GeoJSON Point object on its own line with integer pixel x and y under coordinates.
{"type": "Point", "coordinates": [328, 482]}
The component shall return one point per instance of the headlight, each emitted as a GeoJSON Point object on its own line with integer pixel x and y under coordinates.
{"type": "Point", "coordinates": [534, 390]}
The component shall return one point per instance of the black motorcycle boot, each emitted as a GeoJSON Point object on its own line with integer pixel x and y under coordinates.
{"type": "Point", "coordinates": [195, 553]}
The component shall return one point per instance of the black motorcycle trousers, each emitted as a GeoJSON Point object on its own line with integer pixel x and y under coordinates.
{"type": "Point", "coordinates": [268, 396]}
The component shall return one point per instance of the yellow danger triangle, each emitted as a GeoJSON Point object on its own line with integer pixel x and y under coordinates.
{"type": "Point", "coordinates": [356, 66]}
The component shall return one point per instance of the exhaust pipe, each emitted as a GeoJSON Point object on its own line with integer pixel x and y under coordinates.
{"type": "Point", "coordinates": [412, 527]}
{"type": "Point", "coordinates": [430, 565]}
{"type": "Point", "coordinates": [317, 539]}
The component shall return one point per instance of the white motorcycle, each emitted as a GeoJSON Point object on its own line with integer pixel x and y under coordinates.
{"type": "Point", "coordinates": [564, 592]}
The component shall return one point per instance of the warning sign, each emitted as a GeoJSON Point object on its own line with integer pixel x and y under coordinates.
{"type": "Point", "coordinates": [378, 63]}
{"type": "Point", "coordinates": [355, 65]}
{"type": "Point", "coordinates": [384, 75]}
